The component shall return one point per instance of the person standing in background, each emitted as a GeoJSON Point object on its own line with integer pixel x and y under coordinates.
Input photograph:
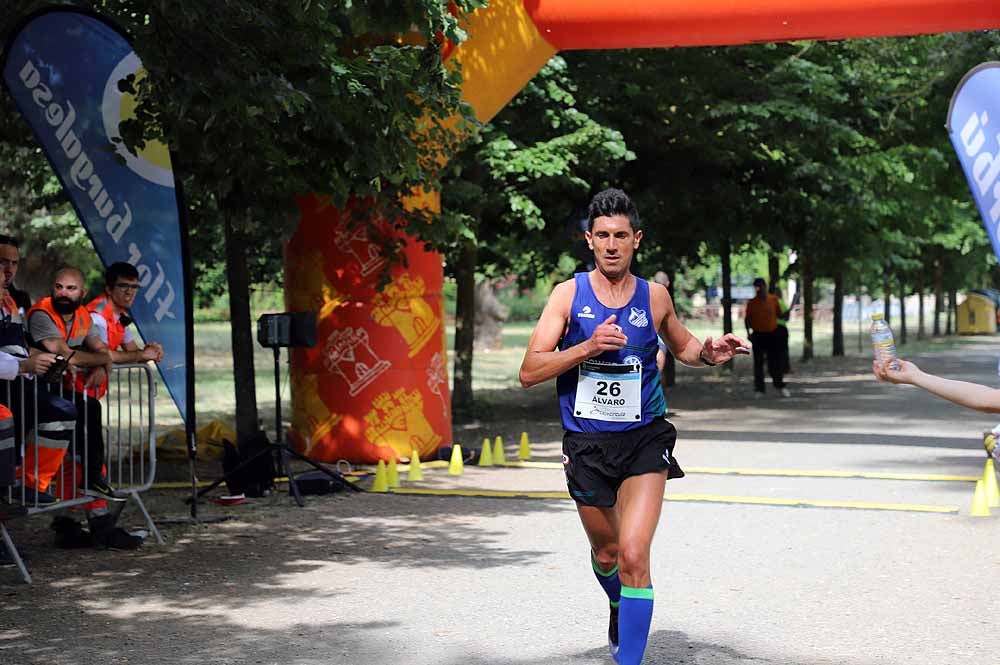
{"type": "Point", "coordinates": [761, 321]}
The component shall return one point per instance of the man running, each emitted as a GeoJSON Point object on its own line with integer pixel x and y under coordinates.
{"type": "Point", "coordinates": [597, 334]}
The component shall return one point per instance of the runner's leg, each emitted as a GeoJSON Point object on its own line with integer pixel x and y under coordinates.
{"type": "Point", "coordinates": [601, 525]}
{"type": "Point", "coordinates": [640, 500]}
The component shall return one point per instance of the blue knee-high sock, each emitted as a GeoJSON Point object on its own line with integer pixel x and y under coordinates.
{"type": "Point", "coordinates": [609, 581]}
{"type": "Point", "coordinates": [634, 616]}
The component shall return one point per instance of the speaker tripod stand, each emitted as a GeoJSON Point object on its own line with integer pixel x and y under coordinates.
{"type": "Point", "coordinates": [282, 451]}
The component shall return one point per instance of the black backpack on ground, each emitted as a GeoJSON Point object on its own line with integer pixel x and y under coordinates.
{"type": "Point", "coordinates": [256, 478]}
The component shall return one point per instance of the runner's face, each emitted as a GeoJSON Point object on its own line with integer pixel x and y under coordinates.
{"type": "Point", "coordinates": [614, 244]}
{"type": "Point", "coordinates": [9, 258]}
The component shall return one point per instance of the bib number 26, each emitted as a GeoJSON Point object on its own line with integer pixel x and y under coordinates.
{"type": "Point", "coordinates": [606, 388]}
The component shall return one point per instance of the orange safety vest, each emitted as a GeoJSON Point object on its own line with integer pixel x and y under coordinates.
{"type": "Point", "coordinates": [7, 452]}
{"type": "Point", "coordinates": [12, 339]}
{"type": "Point", "coordinates": [116, 331]}
{"type": "Point", "coordinates": [74, 337]}
{"type": "Point", "coordinates": [116, 335]}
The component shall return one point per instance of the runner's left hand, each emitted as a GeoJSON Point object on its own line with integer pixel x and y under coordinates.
{"type": "Point", "coordinates": [724, 349]}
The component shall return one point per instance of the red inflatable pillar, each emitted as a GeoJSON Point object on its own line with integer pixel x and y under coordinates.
{"type": "Point", "coordinates": [376, 384]}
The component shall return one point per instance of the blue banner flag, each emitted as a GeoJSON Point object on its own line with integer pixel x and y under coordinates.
{"type": "Point", "coordinates": [974, 128]}
{"type": "Point", "coordinates": [63, 67]}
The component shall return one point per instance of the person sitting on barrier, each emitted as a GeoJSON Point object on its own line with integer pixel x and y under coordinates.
{"type": "Point", "coordinates": [11, 367]}
{"type": "Point", "coordinates": [963, 393]}
{"type": "Point", "coordinates": [55, 416]}
{"type": "Point", "coordinates": [109, 314]}
{"type": "Point", "coordinates": [60, 324]}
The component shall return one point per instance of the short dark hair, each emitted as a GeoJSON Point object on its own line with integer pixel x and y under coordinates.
{"type": "Point", "coordinates": [10, 240]}
{"type": "Point", "coordinates": [761, 281]}
{"type": "Point", "coordinates": [609, 203]}
{"type": "Point", "coordinates": [115, 271]}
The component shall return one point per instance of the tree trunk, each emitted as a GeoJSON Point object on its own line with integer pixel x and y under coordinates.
{"type": "Point", "coordinates": [727, 292]}
{"type": "Point", "coordinates": [773, 271]}
{"type": "Point", "coordinates": [490, 317]}
{"type": "Point", "coordinates": [670, 368]}
{"type": "Point", "coordinates": [953, 309]}
{"type": "Point", "coordinates": [807, 306]}
{"type": "Point", "coordinates": [838, 314]}
{"type": "Point", "coordinates": [465, 328]}
{"type": "Point", "coordinates": [921, 331]}
{"type": "Point", "coordinates": [886, 296]}
{"type": "Point", "coordinates": [238, 278]}
{"type": "Point", "coordinates": [938, 295]}
{"type": "Point", "coordinates": [902, 311]}
{"type": "Point", "coordinates": [947, 320]}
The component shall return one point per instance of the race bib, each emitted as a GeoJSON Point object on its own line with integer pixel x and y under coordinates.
{"type": "Point", "coordinates": [610, 392]}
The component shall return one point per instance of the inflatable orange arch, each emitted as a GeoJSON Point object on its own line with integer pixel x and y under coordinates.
{"type": "Point", "coordinates": [377, 386]}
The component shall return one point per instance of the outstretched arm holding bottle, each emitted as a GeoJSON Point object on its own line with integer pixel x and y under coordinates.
{"type": "Point", "coordinates": [963, 393]}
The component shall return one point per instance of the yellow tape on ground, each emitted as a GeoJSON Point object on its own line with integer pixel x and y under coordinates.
{"type": "Point", "coordinates": [793, 473]}
{"type": "Point", "coordinates": [703, 498]}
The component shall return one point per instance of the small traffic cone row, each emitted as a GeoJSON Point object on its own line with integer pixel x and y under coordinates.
{"type": "Point", "coordinates": [524, 450]}
{"type": "Point", "coordinates": [456, 466]}
{"type": "Point", "coordinates": [381, 483]}
{"type": "Point", "coordinates": [499, 456]}
{"type": "Point", "coordinates": [486, 455]}
{"type": "Point", "coordinates": [393, 475]}
{"type": "Point", "coordinates": [980, 506]}
{"type": "Point", "coordinates": [415, 472]}
{"type": "Point", "coordinates": [990, 484]}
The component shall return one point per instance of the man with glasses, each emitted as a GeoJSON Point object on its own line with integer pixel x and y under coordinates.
{"type": "Point", "coordinates": [110, 317]}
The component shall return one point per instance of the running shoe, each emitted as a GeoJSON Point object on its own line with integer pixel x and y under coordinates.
{"type": "Point", "coordinates": [613, 633]}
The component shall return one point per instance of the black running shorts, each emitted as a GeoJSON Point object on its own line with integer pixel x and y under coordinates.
{"type": "Point", "coordinates": [596, 463]}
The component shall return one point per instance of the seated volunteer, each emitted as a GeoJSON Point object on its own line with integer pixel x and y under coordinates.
{"type": "Point", "coordinates": [109, 314]}
{"type": "Point", "coordinates": [43, 422]}
{"type": "Point", "coordinates": [59, 324]}
{"type": "Point", "coordinates": [597, 336]}
{"type": "Point", "coordinates": [11, 367]}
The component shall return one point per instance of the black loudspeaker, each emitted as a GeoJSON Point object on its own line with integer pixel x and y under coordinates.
{"type": "Point", "coordinates": [287, 329]}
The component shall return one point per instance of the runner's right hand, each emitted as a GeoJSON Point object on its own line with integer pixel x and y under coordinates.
{"type": "Point", "coordinates": [607, 337]}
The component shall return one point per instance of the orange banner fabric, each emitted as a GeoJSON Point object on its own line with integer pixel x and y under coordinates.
{"type": "Point", "coordinates": [376, 384]}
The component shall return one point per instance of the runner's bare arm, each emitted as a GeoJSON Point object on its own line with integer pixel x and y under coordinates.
{"type": "Point", "coordinates": [683, 344]}
{"type": "Point", "coordinates": [541, 359]}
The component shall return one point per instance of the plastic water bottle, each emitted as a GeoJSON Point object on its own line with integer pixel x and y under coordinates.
{"type": "Point", "coordinates": [883, 343]}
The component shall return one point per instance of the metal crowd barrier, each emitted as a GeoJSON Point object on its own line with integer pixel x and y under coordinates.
{"type": "Point", "coordinates": [127, 419]}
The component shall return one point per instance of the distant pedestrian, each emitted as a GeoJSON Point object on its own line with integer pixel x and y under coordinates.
{"type": "Point", "coordinates": [761, 322]}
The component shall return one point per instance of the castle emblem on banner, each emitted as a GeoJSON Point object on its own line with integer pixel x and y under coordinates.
{"type": "Point", "coordinates": [310, 416]}
{"type": "Point", "coordinates": [348, 353]}
{"type": "Point", "coordinates": [398, 420]}
{"type": "Point", "coordinates": [357, 243]}
{"type": "Point", "coordinates": [402, 306]}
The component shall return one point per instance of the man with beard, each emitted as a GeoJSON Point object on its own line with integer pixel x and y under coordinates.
{"type": "Point", "coordinates": [59, 324]}
{"type": "Point", "coordinates": [597, 336]}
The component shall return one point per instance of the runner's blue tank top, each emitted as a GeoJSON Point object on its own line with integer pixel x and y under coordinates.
{"type": "Point", "coordinates": [635, 319]}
